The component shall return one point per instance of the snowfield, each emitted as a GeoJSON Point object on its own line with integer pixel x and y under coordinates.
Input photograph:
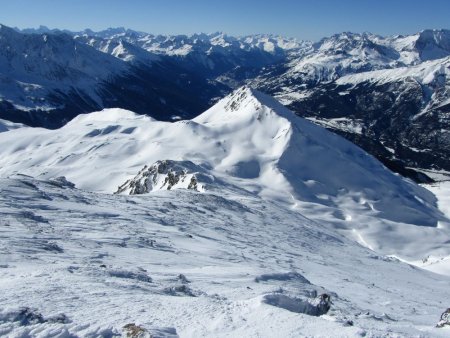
{"type": "Point", "coordinates": [194, 264]}
{"type": "Point", "coordinates": [252, 214]}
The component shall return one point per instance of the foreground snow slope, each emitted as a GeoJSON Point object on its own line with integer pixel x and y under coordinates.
{"type": "Point", "coordinates": [252, 142]}
{"type": "Point", "coordinates": [194, 264]}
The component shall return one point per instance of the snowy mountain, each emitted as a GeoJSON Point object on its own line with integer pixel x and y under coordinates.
{"type": "Point", "coordinates": [288, 213]}
{"type": "Point", "coordinates": [47, 79]}
{"type": "Point", "coordinates": [395, 106]}
{"type": "Point", "coordinates": [36, 69]}
{"type": "Point", "coordinates": [159, 217]}
{"type": "Point", "coordinates": [217, 56]}
{"type": "Point", "coordinates": [399, 115]}
{"type": "Point", "coordinates": [178, 77]}
{"type": "Point", "coordinates": [249, 141]}
{"type": "Point", "coordinates": [349, 53]}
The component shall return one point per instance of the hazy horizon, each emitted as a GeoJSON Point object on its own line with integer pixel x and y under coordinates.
{"type": "Point", "coordinates": [302, 19]}
{"type": "Point", "coordinates": [42, 26]}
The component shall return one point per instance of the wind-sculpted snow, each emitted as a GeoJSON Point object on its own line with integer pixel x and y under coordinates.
{"type": "Point", "coordinates": [248, 142]}
{"type": "Point", "coordinates": [194, 264]}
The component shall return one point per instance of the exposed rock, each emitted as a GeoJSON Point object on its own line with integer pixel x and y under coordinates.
{"type": "Point", "coordinates": [167, 175]}
{"type": "Point", "coordinates": [62, 182]}
{"type": "Point", "coordinates": [134, 331]}
{"type": "Point", "coordinates": [180, 291]}
{"type": "Point", "coordinates": [445, 319]}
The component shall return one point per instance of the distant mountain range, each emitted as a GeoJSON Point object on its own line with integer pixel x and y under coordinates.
{"type": "Point", "coordinates": [389, 95]}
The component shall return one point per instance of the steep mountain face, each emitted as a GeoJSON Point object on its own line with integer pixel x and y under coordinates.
{"type": "Point", "coordinates": [246, 142]}
{"type": "Point", "coordinates": [433, 44]}
{"type": "Point", "coordinates": [47, 79]}
{"type": "Point", "coordinates": [398, 115]}
{"type": "Point", "coordinates": [36, 69]}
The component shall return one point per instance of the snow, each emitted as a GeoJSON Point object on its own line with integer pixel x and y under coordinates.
{"type": "Point", "coordinates": [186, 45]}
{"type": "Point", "coordinates": [251, 142]}
{"type": "Point", "coordinates": [198, 264]}
{"type": "Point", "coordinates": [33, 65]}
{"type": "Point", "coordinates": [290, 211]}
{"type": "Point", "coordinates": [6, 125]}
{"type": "Point", "coordinates": [426, 73]}
{"type": "Point", "coordinates": [442, 191]}
{"type": "Point", "coordinates": [351, 59]}
{"type": "Point", "coordinates": [287, 98]}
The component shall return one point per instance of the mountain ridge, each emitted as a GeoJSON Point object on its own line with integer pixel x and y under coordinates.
{"type": "Point", "coordinates": [247, 142]}
{"type": "Point", "coordinates": [178, 77]}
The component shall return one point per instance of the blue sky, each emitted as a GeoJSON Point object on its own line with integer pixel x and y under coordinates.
{"type": "Point", "coordinates": [304, 19]}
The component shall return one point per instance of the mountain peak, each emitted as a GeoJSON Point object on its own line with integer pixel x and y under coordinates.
{"type": "Point", "coordinates": [5, 30]}
{"type": "Point", "coordinates": [243, 103]}
{"type": "Point", "coordinates": [241, 97]}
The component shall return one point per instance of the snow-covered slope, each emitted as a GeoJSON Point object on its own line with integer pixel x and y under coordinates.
{"type": "Point", "coordinates": [399, 115]}
{"type": "Point", "coordinates": [194, 265]}
{"type": "Point", "coordinates": [284, 211]}
{"type": "Point", "coordinates": [428, 73]}
{"type": "Point", "coordinates": [47, 79]}
{"type": "Point", "coordinates": [6, 125]}
{"type": "Point", "coordinates": [389, 95]}
{"type": "Point", "coordinates": [34, 65]}
{"type": "Point", "coordinates": [442, 191]}
{"type": "Point", "coordinates": [251, 142]}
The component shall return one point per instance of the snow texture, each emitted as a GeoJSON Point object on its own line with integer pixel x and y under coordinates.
{"type": "Point", "coordinates": [78, 263]}
{"type": "Point", "coordinates": [289, 212]}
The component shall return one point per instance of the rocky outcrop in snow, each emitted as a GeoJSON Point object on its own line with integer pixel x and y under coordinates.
{"type": "Point", "coordinates": [445, 319]}
{"type": "Point", "coordinates": [249, 142]}
{"type": "Point", "coordinates": [165, 175]}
